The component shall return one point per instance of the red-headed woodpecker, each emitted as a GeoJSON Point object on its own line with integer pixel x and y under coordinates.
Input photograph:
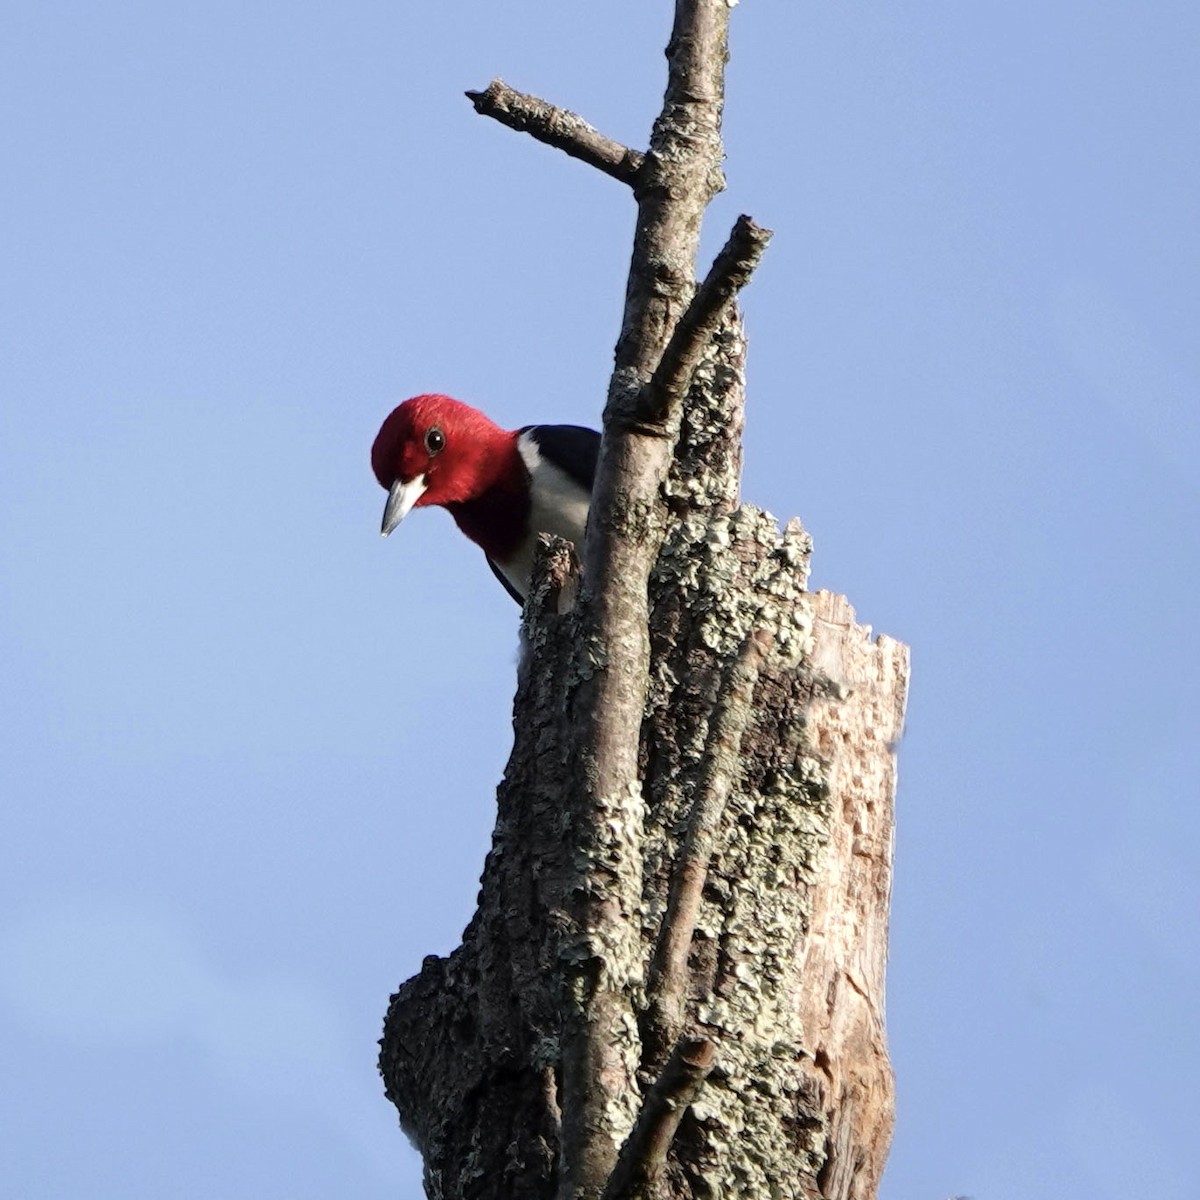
{"type": "Point", "coordinates": [503, 487]}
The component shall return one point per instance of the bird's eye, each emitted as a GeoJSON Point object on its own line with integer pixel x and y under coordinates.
{"type": "Point", "coordinates": [435, 440]}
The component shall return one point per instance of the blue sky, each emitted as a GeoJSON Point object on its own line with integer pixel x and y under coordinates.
{"type": "Point", "coordinates": [249, 749]}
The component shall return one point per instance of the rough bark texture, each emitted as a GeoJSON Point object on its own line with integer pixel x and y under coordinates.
{"type": "Point", "coordinates": [628, 521]}
{"type": "Point", "coordinates": [556, 127]}
{"type": "Point", "coordinates": [785, 971]}
{"type": "Point", "coordinates": [673, 984]}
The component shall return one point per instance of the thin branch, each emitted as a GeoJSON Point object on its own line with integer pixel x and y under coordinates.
{"type": "Point", "coordinates": [667, 979]}
{"type": "Point", "coordinates": [557, 127]}
{"type": "Point", "coordinates": [730, 272]}
{"type": "Point", "coordinates": [645, 1150]}
{"type": "Point", "coordinates": [626, 524]}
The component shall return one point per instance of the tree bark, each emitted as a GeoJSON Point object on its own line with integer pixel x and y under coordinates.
{"type": "Point", "coordinates": [673, 984]}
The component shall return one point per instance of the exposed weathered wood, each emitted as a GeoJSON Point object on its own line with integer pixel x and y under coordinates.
{"type": "Point", "coordinates": [785, 969]}
{"type": "Point", "coordinates": [855, 727]}
{"type": "Point", "coordinates": [693, 835]}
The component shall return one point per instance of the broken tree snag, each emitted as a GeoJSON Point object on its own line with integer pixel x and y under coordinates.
{"type": "Point", "coordinates": [855, 726]}
{"type": "Point", "coordinates": [791, 922]}
{"type": "Point", "coordinates": [470, 1052]}
{"type": "Point", "coordinates": [673, 985]}
{"type": "Point", "coordinates": [557, 127]}
{"type": "Point", "coordinates": [784, 968]}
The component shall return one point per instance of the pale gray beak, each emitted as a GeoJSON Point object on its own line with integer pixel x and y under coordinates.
{"type": "Point", "coordinates": [401, 497]}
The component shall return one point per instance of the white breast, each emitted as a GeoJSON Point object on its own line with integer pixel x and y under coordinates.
{"type": "Point", "coordinates": [558, 506]}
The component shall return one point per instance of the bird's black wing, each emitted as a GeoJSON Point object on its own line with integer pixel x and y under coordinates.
{"type": "Point", "coordinates": [508, 587]}
{"type": "Point", "coordinates": [574, 449]}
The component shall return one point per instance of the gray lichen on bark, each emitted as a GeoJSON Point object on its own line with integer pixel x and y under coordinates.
{"type": "Point", "coordinates": [786, 963]}
{"type": "Point", "coordinates": [685, 903]}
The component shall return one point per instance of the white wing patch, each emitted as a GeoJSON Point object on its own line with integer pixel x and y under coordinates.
{"type": "Point", "coordinates": [558, 506]}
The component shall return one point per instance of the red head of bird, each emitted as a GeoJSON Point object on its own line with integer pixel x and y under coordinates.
{"type": "Point", "coordinates": [502, 487]}
{"type": "Point", "coordinates": [435, 450]}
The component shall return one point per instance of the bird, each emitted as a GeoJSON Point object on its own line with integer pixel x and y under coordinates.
{"type": "Point", "coordinates": [502, 487]}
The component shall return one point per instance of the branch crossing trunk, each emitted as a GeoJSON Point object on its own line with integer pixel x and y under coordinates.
{"type": "Point", "coordinates": [673, 985]}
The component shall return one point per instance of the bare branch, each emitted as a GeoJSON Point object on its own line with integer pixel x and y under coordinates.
{"type": "Point", "coordinates": [557, 127]}
{"type": "Point", "coordinates": [645, 1150]}
{"type": "Point", "coordinates": [626, 525]}
{"type": "Point", "coordinates": [667, 978]}
{"type": "Point", "coordinates": [730, 272]}
{"type": "Point", "coordinates": [544, 1057]}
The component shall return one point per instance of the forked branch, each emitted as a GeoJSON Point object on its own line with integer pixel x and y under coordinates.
{"type": "Point", "coordinates": [730, 272]}
{"type": "Point", "coordinates": [680, 174]}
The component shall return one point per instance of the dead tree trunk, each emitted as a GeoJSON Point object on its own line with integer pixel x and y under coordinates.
{"type": "Point", "coordinates": [673, 985]}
